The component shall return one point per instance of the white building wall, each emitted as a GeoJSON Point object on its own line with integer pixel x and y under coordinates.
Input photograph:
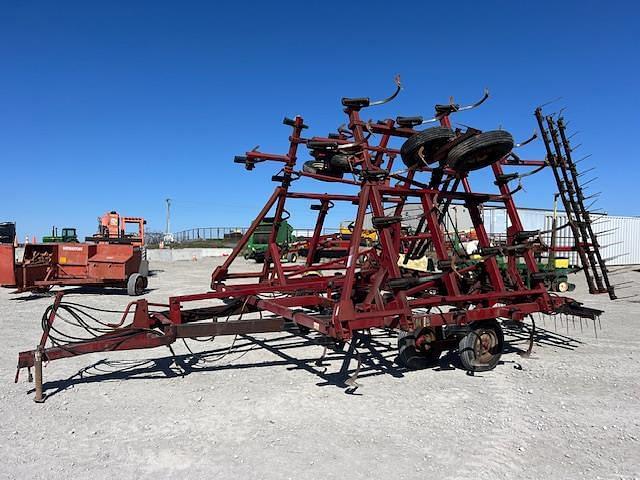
{"type": "Point", "coordinates": [620, 243]}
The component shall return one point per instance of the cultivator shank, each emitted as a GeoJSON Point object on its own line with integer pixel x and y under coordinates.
{"type": "Point", "coordinates": [455, 304]}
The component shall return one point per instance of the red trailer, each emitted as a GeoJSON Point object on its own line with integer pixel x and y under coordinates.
{"type": "Point", "coordinates": [111, 258]}
{"type": "Point", "coordinates": [461, 307]}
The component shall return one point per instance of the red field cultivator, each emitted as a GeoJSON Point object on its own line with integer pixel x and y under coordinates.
{"type": "Point", "coordinates": [459, 305]}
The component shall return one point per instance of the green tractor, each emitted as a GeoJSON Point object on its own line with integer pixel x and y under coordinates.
{"type": "Point", "coordinates": [259, 241]}
{"type": "Point", "coordinates": [69, 235]}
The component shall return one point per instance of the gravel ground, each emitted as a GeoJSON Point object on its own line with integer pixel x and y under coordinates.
{"type": "Point", "coordinates": [570, 411]}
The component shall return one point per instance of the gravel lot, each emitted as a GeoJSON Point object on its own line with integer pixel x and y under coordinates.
{"type": "Point", "coordinates": [570, 411]}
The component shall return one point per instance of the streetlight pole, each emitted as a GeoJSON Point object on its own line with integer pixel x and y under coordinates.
{"type": "Point", "coordinates": [168, 231]}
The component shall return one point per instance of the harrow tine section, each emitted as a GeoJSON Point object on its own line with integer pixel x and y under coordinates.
{"type": "Point", "coordinates": [584, 172]}
{"type": "Point", "coordinates": [589, 181]}
{"type": "Point", "coordinates": [593, 195]}
{"type": "Point", "coordinates": [583, 158]}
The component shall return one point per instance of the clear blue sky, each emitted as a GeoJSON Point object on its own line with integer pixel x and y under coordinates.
{"type": "Point", "coordinates": [120, 104]}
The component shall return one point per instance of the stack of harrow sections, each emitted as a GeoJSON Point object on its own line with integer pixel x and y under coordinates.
{"type": "Point", "coordinates": [459, 304]}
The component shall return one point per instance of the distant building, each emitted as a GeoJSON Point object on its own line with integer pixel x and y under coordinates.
{"type": "Point", "coordinates": [620, 242]}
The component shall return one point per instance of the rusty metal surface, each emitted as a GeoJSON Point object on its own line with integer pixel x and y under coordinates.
{"type": "Point", "coordinates": [7, 262]}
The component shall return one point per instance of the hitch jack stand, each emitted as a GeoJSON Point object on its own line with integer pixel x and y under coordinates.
{"type": "Point", "coordinates": [39, 397]}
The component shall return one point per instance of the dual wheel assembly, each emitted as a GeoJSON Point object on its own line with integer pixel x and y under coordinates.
{"type": "Point", "coordinates": [477, 151]}
{"type": "Point", "coordinates": [480, 348]}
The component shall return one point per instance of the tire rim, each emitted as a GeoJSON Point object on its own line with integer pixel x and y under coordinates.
{"type": "Point", "coordinates": [484, 346]}
{"type": "Point", "coordinates": [424, 340]}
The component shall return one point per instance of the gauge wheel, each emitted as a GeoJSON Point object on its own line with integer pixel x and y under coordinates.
{"type": "Point", "coordinates": [429, 140]}
{"type": "Point", "coordinates": [480, 349]}
{"type": "Point", "coordinates": [480, 150]}
{"type": "Point", "coordinates": [418, 349]}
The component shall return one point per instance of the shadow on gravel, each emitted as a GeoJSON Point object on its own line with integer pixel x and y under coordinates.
{"type": "Point", "coordinates": [370, 354]}
{"type": "Point", "coordinates": [517, 339]}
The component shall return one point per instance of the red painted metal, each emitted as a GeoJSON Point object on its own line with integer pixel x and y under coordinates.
{"type": "Point", "coordinates": [108, 259]}
{"type": "Point", "coordinates": [367, 287]}
{"type": "Point", "coordinates": [7, 260]}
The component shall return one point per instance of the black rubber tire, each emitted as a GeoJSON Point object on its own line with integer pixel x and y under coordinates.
{"type": "Point", "coordinates": [292, 257]}
{"type": "Point", "coordinates": [432, 139]}
{"type": "Point", "coordinates": [411, 357]}
{"type": "Point", "coordinates": [313, 166]}
{"type": "Point", "coordinates": [135, 285]}
{"type": "Point", "coordinates": [470, 348]}
{"type": "Point", "coordinates": [340, 163]}
{"type": "Point", "coordinates": [480, 150]}
{"type": "Point", "coordinates": [318, 167]}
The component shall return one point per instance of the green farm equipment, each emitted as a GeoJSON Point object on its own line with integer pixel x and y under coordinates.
{"type": "Point", "coordinates": [554, 272]}
{"type": "Point", "coordinates": [69, 235]}
{"type": "Point", "coordinates": [258, 243]}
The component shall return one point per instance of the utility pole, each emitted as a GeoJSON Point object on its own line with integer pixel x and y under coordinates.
{"type": "Point", "coordinates": [168, 231]}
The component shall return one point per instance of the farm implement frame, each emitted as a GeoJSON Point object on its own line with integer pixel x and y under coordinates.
{"type": "Point", "coordinates": [459, 305]}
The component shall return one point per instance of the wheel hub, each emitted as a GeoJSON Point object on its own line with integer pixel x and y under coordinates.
{"type": "Point", "coordinates": [485, 345]}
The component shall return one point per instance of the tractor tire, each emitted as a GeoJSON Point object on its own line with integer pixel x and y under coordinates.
{"type": "Point", "coordinates": [412, 356]}
{"type": "Point", "coordinates": [430, 140]}
{"type": "Point", "coordinates": [480, 350]}
{"type": "Point", "coordinates": [480, 151]}
{"type": "Point", "coordinates": [292, 257]}
{"type": "Point", "coordinates": [136, 284]}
